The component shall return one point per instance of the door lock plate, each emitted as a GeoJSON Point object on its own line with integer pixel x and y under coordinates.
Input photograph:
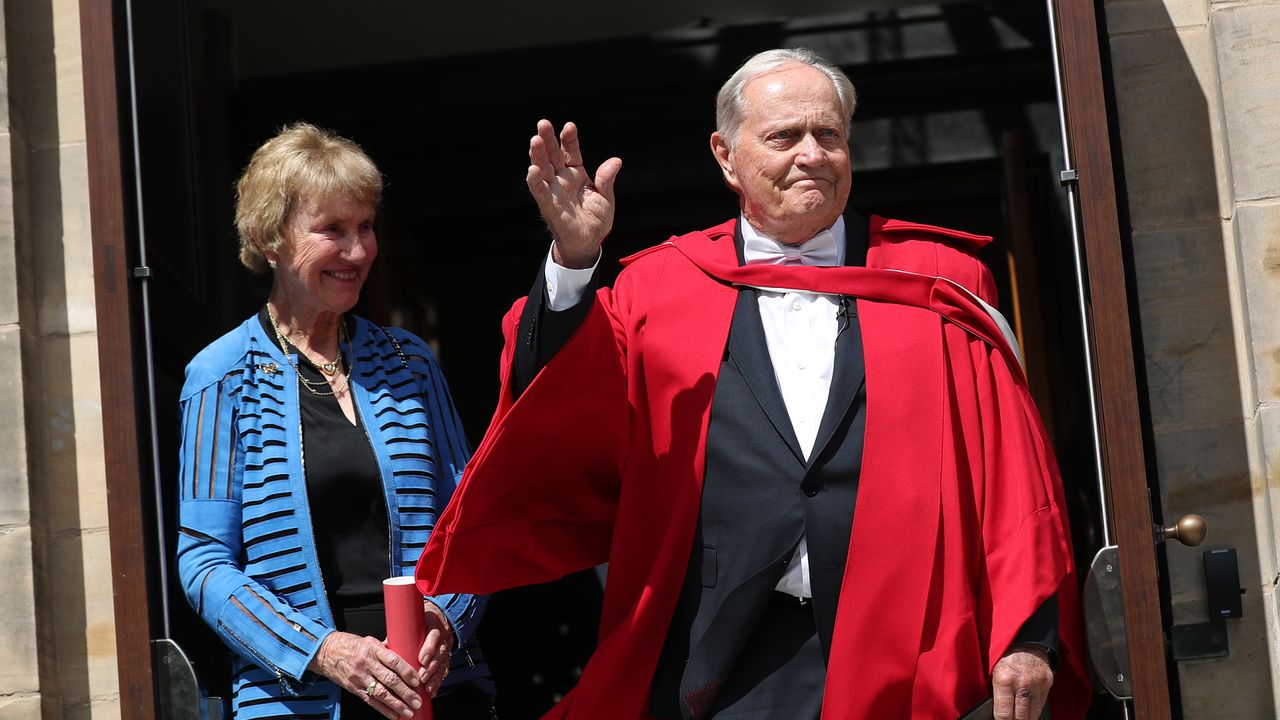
{"type": "Point", "coordinates": [1104, 624]}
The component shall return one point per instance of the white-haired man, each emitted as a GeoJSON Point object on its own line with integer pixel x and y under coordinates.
{"type": "Point", "coordinates": [709, 424]}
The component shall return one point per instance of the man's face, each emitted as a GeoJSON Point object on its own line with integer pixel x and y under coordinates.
{"type": "Point", "coordinates": [790, 165]}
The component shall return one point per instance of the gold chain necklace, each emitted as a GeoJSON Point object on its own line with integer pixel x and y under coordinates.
{"type": "Point", "coordinates": [326, 368]}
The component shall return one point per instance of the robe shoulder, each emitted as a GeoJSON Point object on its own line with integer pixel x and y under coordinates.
{"type": "Point", "coordinates": [655, 253]}
{"type": "Point", "coordinates": [932, 250]}
{"type": "Point", "coordinates": [902, 245]}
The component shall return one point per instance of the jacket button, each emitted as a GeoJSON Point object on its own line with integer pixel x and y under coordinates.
{"type": "Point", "coordinates": [810, 490]}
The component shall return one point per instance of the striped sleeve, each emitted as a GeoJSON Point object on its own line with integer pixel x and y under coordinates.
{"type": "Point", "coordinates": [249, 618]}
{"type": "Point", "coordinates": [208, 463]}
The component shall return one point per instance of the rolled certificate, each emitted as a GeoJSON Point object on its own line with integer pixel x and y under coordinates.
{"type": "Point", "coordinates": [406, 628]}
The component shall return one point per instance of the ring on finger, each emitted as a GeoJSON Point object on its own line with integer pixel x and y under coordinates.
{"type": "Point", "coordinates": [368, 689]}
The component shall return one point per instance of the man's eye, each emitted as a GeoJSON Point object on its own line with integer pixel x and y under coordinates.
{"type": "Point", "coordinates": [782, 135]}
{"type": "Point", "coordinates": [829, 134]}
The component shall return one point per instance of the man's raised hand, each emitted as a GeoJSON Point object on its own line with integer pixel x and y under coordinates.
{"type": "Point", "coordinates": [577, 209]}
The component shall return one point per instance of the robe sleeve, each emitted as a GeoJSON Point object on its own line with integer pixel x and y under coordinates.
{"type": "Point", "coordinates": [538, 500]}
{"type": "Point", "coordinates": [1027, 555]}
{"type": "Point", "coordinates": [542, 332]}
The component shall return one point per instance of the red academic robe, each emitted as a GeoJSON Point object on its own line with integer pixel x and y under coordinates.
{"type": "Point", "coordinates": [959, 533]}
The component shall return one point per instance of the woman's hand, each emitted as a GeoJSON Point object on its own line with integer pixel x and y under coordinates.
{"type": "Point", "coordinates": [368, 669]}
{"type": "Point", "coordinates": [436, 650]}
{"type": "Point", "coordinates": [578, 210]}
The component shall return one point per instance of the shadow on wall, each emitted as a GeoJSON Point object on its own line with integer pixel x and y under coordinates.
{"type": "Point", "coordinates": [1185, 347]}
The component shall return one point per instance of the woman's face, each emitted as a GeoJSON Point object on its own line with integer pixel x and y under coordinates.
{"type": "Point", "coordinates": [328, 249]}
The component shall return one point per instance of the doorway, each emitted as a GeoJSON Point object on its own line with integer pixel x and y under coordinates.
{"type": "Point", "coordinates": [956, 126]}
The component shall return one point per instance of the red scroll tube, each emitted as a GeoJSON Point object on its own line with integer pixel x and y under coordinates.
{"type": "Point", "coordinates": [406, 628]}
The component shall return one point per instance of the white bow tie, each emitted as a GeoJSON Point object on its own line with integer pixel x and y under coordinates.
{"type": "Point", "coordinates": [819, 250]}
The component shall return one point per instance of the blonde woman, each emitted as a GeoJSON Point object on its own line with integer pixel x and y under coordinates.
{"type": "Point", "coordinates": [317, 450]}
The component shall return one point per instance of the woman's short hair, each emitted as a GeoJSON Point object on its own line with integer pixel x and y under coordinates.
{"type": "Point", "coordinates": [729, 101]}
{"type": "Point", "coordinates": [302, 161]}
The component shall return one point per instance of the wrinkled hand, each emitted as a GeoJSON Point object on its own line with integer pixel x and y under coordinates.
{"type": "Point", "coordinates": [354, 662]}
{"type": "Point", "coordinates": [577, 209]}
{"type": "Point", "coordinates": [436, 650]}
{"type": "Point", "coordinates": [1020, 683]}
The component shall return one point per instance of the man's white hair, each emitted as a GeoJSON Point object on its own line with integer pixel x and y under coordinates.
{"type": "Point", "coordinates": [730, 104]}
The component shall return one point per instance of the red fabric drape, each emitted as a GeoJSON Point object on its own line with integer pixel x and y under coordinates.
{"type": "Point", "coordinates": [959, 534]}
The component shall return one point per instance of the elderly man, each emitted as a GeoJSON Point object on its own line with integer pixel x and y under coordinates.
{"type": "Point", "coordinates": [821, 491]}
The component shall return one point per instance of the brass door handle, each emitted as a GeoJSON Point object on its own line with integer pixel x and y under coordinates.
{"type": "Point", "coordinates": [1190, 530]}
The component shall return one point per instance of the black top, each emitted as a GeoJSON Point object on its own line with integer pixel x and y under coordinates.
{"type": "Point", "coordinates": [348, 511]}
{"type": "Point", "coordinates": [347, 502]}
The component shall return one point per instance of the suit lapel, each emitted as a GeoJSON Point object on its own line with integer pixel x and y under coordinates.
{"type": "Point", "coordinates": [849, 372]}
{"type": "Point", "coordinates": [846, 380]}
{"type": "Point", "coordinates": [749, 352]}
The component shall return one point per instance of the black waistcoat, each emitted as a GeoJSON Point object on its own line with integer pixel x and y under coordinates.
{"type": "Point", "coordinates": [759, 497]}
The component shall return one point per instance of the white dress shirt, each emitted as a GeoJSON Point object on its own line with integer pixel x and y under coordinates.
{"type": "Point", "coordinates": [800, 331]}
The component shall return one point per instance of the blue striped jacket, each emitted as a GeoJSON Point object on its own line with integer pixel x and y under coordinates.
{"type": "Point", "coordinates": [246, 555]}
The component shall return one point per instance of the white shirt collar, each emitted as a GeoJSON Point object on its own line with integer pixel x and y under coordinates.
{"type": "Point", "coordinates": [760, 248]}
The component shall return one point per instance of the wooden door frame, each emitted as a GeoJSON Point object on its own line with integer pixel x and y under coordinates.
{"type": "Point", "coordinates": [117, 365]}
{"type": "Point", "coordinates": [1117, 385]}
{"type": "Point", "coordinates": [1119, 418]}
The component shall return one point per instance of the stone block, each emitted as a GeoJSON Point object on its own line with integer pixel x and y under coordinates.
{"type": "Point", "coordinates": [1236, 687]}
{"type": "Point", "coordinates": [1267, 478]}
{"type": "Point", "coordinates": [61, 242]}
{"type": "Point", "coordinates": [1128, 16]}
{"type": "Point", "coordinates": [15, 505]}
{"type": "Point", "coordinates": [70, 65]}
{"type": "Point", "coordinates": [79, 596]}
{"type": "Point", "coordinates": [1258, 233]}
{"type": "Point", "coordinates": [1180, 276]}
{"type": "Point", "coordinates": [8, 260]}
{"type": "Point", "coordinates": [90, 467]}
{"type": "Point", "coordinates": [8, 271]}
{"type": "Point", "coordinates": [1205, 470]}
{"type": "Point", "coordinates": [4, 85]}
{"type": "Point", "coordinates": [100, 618]}
{"type": "Point", "coordinates": [8, 236]}
{"type": "Point", "coordinates": [68, 436]}
{"type": "Point", "coordinates": [1169, 131]}
{"type": "Point", "coordinates": [51, 98]}
{"type": "Point", "coordinates": [100, 708]}
{"type": "Point", "coordinates": [18, 669]}
{"type": "Point", "coordinates": [1248, 47]}
{"type": "Point", "coordinates": [20, 707]}
{"type": "Point", "coordinates": [91, 709]}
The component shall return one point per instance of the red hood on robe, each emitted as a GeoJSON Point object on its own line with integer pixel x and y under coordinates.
{"type": "Point", "coordinates": [959, 533]}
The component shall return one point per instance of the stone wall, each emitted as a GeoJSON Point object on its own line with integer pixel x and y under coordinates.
{"type": "Point", "coordinates": [54, 548]}
{"type": "Point", "coordinates": [1197, 87]}
{"type": "Point", "coordinates": [19, 676]}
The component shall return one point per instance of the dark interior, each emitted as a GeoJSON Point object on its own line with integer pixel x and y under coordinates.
{"type": "Point", "coordinates": [956, 125]}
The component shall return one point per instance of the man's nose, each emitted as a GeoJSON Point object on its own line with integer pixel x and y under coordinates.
{"type": "Point", "coordinates": [810, 152]}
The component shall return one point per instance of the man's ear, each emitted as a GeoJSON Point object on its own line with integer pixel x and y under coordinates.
{"type": "Point", "coordinates": [724, 155]}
